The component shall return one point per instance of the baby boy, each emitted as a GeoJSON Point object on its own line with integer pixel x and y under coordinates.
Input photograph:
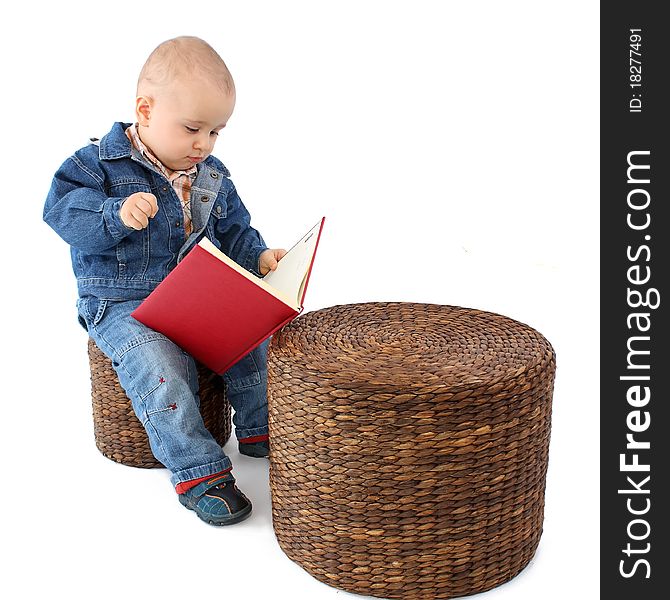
{"type": "Point", "coordinates": [130, 208]}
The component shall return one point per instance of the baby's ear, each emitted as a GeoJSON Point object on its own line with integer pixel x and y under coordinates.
{"type": "Point", "coordinates": [143, 109]}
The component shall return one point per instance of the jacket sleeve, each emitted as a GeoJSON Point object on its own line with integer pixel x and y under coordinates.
{"type": "Point", "coordinates": [238, 238]}
{"type": "Point", "coordinates": [80, 212]}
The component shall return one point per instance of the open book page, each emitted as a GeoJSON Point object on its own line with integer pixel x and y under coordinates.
{"type": "Point", "coordinates": [288, 299]}
{"type": "Point", "coordinates": [291, 274]}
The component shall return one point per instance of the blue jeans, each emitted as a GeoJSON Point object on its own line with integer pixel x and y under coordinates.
{"type": "Point", "coordinates": [161, 381]}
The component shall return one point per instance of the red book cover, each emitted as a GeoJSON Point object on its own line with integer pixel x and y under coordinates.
{"type": "Point", "coordinates": [217, 311]}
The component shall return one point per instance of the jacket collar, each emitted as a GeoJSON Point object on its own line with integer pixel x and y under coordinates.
{"type": "Point", "coordinates": [116, 144]}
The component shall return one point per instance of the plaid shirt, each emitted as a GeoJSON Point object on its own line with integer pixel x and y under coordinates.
{"type": "Point", "coordinates": [181, 180]}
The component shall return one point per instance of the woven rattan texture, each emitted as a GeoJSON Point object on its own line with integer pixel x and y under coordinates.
{"type": "Point", "coordinates": [409, 447]}
{"type": "Point", "coordinates": [118, 433]}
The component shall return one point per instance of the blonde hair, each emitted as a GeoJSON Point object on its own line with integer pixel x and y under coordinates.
{"type": "Point", "coordinates": [186, 57]}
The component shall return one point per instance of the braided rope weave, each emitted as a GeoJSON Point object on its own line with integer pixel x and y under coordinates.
{"type": "Point", "coordinates": [118, 433]}
{"type": "Point", "coordinates": [409, 447]}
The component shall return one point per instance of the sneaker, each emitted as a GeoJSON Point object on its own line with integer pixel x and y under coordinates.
{"type": "Point", "coordinates": [217, 501]}
{"type": "Point", "coordinates": [256, 449]}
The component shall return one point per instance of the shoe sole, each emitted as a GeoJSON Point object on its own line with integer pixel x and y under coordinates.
{"type": "Point", "coordinates": [232, 519]}
{"type": "Point", "coordinates": [253, 455]}
{"type": "Point", "coordinates": [250, 452]}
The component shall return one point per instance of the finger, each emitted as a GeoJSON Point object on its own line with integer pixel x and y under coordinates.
{"type": "Point", "coordinates": [146, 207]}
{"type": "Point", "coordinates": [148, 203]}
{"type": "Point", "coordinates": [153, 202]}
{"type": "Point", "coordinates": [140, 217]}
{"type": "Point", "coordinates": [267, 262]}
{"type": "Point", "coordinates": [134, 223]}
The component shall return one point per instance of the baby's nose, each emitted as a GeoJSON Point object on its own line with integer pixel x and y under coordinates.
{"type": "Point", "coordinates": [201, 141]}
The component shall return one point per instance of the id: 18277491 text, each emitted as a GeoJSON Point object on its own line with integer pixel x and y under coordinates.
{"type": "Point", "coordinates": [635, 69]}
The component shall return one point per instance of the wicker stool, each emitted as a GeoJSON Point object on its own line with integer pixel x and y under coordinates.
{"type": "Point", "coordinates": [118, 433]}
{"type": "Point", "coordinates": [409, 447]}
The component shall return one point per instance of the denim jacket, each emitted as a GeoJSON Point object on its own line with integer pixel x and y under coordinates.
{"type": "Point", "coordinates": [115, 262]}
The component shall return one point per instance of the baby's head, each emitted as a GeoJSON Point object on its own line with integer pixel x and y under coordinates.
{"type": "Point", "coordinates": [185, 96]}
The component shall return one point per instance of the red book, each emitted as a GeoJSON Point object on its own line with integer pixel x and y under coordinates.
{"type": "Point", "coordinates": [217, 311]}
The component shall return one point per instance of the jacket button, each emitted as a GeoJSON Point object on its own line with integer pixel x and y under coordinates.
{"type": "Point", "coordinates": [204, 199]}
{"type": "Point", "coordinates": [177, 224]}
{"type": "Point", "coordinates": [164, 188]}
{"type": "Point", "coordinates": [213, 175]}
{"type": "Point", "coordinates": [218, 209]}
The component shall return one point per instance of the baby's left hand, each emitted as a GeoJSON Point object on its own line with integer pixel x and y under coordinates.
{"type": "Point", "coordinates": [269, 259]}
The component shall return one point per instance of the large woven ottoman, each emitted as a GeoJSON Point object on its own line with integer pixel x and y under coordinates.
{"type": "Point", "coordinates": [409, 447]}
{"type": "Point", "coordinates": [118, 433]}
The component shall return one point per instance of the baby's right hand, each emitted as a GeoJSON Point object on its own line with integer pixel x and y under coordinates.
{"type": "Point", "coordinates": [137, 209]}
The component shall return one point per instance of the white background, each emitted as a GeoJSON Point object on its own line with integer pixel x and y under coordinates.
{"type": "Point", "coordinates": [452, 146]}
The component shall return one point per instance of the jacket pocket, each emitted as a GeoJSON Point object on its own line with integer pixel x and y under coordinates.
{"type": "Point", "coordinates": [133, 254]}
{"type": "Point", "coordinates": [218, 212]}
{"type": "Point", "coordinates": [122, 187]}
{"type": "Point", "coordinates": [133, 251]}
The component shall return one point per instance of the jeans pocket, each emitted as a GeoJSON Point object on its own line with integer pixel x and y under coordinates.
{"type": "Point", "coordinates": [243, 374]}
{"type": "Point", "coordinates": [91, 310]}
{"type": "Point", "coordinates": [99, 311]}
{"type": "Point", "coordinates": [80, 313]}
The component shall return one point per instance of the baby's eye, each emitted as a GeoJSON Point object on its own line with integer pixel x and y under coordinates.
{"type": "Point", "coordinates": [214, 133]}
{"type": "Point", "coordinates": [191, 129]}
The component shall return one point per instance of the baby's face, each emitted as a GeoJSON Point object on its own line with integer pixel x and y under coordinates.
{"type": "Point", "coordinates": [183, 123]}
